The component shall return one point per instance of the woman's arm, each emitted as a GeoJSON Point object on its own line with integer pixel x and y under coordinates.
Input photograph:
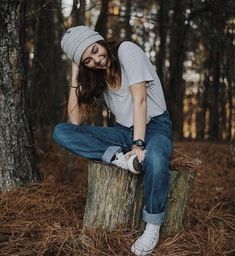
{"type": "Point", "coordinates": [76, 116]}
{"type": "Point", "coordinates": [139, 98]}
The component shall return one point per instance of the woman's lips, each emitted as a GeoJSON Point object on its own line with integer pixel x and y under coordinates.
{"type": "Point", "coordinates": [103, 62]}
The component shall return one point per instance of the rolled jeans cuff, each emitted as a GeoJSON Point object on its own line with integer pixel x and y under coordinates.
{"type": "Point", "coordinates": [109, 153]}
{"type": "Point", "coordinates": [156, 218]}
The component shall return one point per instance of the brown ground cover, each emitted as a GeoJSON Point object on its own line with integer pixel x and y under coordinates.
{"type": "Point", "coordinates": [42, 219]}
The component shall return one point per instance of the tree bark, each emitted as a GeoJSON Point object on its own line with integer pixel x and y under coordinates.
{"type": "Point", "coordinates": [214, 105]}
{"type": "Point", "coordinates": [127, 20]}
{"type": "Point", "coordinates": [78, 15]}
{"type": "Point", "coordinates": [48, 88]}
{"type": "Point", "coordinates": [205, 106]}
{"type": "Point", "coordinates": [181, 183]}
{"type": "Point", "coordinates": [115, 198]}
{"type": "Point", "coordinates": [101, 24]}
{"type": "Point", "coordinates": [231, 85]}
{"type": "Point", "coordinates": [17, 152]}
{"type": "Point", "coordinates": [163, 21]}
{"type": "Point", "coordinates": [175, 88]}
{"type": "Point", "coordinates": [216, 44]}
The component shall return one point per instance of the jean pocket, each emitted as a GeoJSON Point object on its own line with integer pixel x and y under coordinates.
{"type": "Point", "coordinates": [168, 122]}
{"type": "Point", "coordinates": [162, 120]}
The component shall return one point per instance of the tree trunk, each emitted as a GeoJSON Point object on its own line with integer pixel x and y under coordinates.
{"type": "Point", "coordinates": [163, 21]}
{"type": "Point", "coordinates": [17, 152]}
{"type": "Point", "coordinates": [127, 20]}
{"type": "Point", "coordinates": [115, 198]}
{"type": "Point", "coordinates": [47, 83]}
{"type": "Point", "coordinates": [78, 15]}
{"type": "Point", "coordinates": [48, 86]}
{"type": "Point", "coordinates": [101, 24]}
{"type": "Point", "coordinates": [74, 13]}
{"type": "Point", "coordinates": [231, 88]}
{"type": "Point", "coordinates": [214, 105]}
{"type": "Point", "coordinates": [175, 89]}
{"type": "Point", "coordinates": [205, 107]}
{"type": "Point", "coordinates": [181, 183]}
{"type": "Point", "coordinates": [200, 121]}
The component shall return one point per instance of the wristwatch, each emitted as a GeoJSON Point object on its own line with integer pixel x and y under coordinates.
{"type": "Point", "coordinates": [139, 143]}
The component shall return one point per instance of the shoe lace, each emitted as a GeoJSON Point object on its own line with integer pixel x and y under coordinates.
{"type": "Point", "coordinates": [122, 161]}
{"type": "Point", "coordinates": [120, 156]}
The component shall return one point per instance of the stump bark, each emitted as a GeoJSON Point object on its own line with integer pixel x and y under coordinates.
{"type": "Point", "coordinates": [115, 198]}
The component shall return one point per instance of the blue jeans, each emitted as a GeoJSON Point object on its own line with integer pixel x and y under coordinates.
{"type": "Point", "coordinates": [101, 143]}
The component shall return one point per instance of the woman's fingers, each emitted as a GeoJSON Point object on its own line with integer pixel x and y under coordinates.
{"type": "Point", "coordinates": [138, 152]}
{"type": "Point", "coordinates": [141, 155]}
{"type": "Point", "coordinates": [128, 154]}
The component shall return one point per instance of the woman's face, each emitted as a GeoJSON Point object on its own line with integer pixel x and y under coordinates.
{"type": "Point", "coordinates": [95, 57]}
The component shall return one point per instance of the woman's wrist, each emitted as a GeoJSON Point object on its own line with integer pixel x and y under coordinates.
{"type": "Point", "coordinates": [72, 86]}
{"type": "Point", "coordinates": [74, 83]}
{"type": "Point", "coordinates": [133, 147]}
{"type": "Point", "coordinates": [138, 144]}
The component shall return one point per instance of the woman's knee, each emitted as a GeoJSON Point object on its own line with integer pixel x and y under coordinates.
{"type": "Point", "coordinates": [156, 162]}
{"type": "Point", "coordinates": [59, 132]}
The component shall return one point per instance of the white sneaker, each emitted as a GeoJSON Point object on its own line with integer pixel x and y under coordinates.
{"type": "Point", "coordinates": [120, 161]}
{"type": "Point", "coordinates": [146, 243]}
{"type": "Point", "coordinates": [132, 164]}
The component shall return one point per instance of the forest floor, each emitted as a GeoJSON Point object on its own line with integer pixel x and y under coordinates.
{"type": "Point", "coordinates": [42, 219]}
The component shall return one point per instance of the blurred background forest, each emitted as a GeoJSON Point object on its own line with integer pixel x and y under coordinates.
{"type": "Point", "coordinates": [190, 42]}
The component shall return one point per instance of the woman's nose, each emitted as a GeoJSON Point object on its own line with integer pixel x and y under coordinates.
{"type": "Point", "coordinates": [96, 59]}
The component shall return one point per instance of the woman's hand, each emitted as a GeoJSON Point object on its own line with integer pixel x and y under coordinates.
{"type": "Point", "coordinates": [140, 153]}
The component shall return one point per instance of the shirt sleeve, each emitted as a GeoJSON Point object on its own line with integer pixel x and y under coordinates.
{"type": "Point", "coordinates": [133, 60]}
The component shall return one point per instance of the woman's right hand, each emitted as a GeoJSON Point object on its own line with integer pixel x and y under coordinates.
{"type": "Point", "coordinates": [75, 71]}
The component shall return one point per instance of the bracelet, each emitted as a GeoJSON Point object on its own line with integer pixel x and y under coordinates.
{"type": "Point", "coordinates": [74, 86]}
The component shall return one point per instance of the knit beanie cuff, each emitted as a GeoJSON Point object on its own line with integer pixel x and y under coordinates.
{"type": "Point", "coordinates": [76, 40]}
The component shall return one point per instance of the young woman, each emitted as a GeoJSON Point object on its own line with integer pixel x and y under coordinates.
{"type": "Point", "coordinates": [141, 139]}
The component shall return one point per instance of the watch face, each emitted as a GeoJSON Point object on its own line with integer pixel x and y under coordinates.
{"type": "Point", "coordinates": [139, 143]}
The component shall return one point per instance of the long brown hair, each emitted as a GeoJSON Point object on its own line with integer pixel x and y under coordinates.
{"type": "Point", "coordinates": [92, 82]}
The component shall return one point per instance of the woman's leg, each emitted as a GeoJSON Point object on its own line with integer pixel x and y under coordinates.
{"type": "Point", "coordinates": [159, 148]}
{"type": "Point", "coordinates": [93, 142]}
{"type": "Point", "coordinates": [156, 177]}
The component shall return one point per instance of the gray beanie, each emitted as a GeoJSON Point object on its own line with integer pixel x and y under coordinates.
{"type": "Point", "coordinates": [77, 39]}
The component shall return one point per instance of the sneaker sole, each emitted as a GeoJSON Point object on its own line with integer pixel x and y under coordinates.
{"type": "Point", "coordinates": [138, 252]}
{"type": "Point", "coordinates": [134, 165]}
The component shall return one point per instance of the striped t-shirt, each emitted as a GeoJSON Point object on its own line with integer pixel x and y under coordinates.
{"type": "Point", "coordinates": [135, 68]}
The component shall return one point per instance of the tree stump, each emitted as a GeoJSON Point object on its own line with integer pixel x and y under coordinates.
{"type": "Point", "coordinates": [181, 183]}
{"type": "Point", "coordinates": [115, 198]}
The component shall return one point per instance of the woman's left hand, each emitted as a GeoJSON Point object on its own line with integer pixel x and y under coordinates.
{"type": "Point", "coordinates": [140, 153]}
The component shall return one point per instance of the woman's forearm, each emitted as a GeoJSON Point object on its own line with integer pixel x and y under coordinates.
{"type": "Point", "coordinates": [76, 116]}
{"type": "Point", "coordinates": [139, 118]}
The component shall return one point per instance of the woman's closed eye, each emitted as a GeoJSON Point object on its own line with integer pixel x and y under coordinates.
{"type": "Point", "coordinates": [87, 61]}
{"type": "Point", "coordinates": [93, 51]}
